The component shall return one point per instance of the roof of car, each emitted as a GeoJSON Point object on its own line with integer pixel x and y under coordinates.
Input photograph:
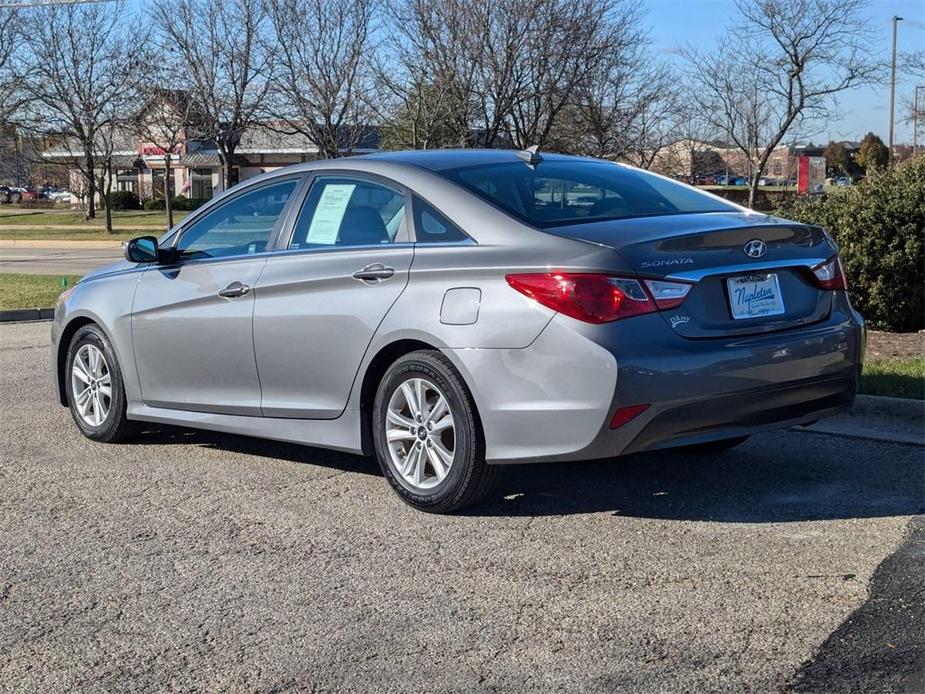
{"type": "Point", "coordinates": [443, 159]}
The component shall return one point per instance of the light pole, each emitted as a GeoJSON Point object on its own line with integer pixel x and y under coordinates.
{"type": "Point", "coordinates": [916, 116]}
{"type": "Point", "coordinates": [896, 20]}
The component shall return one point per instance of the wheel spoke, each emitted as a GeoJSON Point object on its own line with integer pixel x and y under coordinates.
{"type": "Point", "coordinates": [82, 400]}
{"type": "Point", "coordinates": [394, 417]}
{"type": "Point", "coordinates": [419, 465]}
{"type": "Point", "coordinates": [94, 361]}
{"type": "Point", "coordinates": [439, 409]}
{"type": "Point", "coordinates": [441, 450]}
{"type": "Point", "coordinates": [411, 398]}
{"type": "Point", "coordinates": [105, 390]}
{"type": "Point", "coordinates": [436, 463]}
{"type": "Point", "coordinates": [78, 370]}
{"type": "Point", "coordinates": [407, 464]}
{"type": "Point", "coordinates": [98, 408]}
{"type": "Point", "coordinates": [443, 424]}
{"type": "Point", "coordinates": [398, 435]}
{"type": "Point", "coordinates": [421, 399]}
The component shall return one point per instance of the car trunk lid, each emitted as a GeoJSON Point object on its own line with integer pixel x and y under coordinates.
{"type": "Point", "coordinates": [715, 252]}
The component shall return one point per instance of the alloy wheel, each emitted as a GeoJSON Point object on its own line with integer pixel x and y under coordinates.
{"type": "Point", "coordinates": [420, 434]}
{"type": "Point", "coordinates": [91, 384]}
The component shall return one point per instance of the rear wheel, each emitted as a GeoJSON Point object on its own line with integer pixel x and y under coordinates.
{"type": "Point", "coordinates": [93, 382]}
{"type": "Point", "coordinates": [427, 437]}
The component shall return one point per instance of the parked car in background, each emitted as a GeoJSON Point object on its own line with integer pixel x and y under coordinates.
{"type": "Point", "coordinates": [5, 193]}
{"type": "Point", "coordinates": [451, 311]}
{"type": "Point", "coordinates": [62, 196]}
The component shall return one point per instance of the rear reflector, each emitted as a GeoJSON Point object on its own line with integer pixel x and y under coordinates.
{"type": "Point", "coordinates": [830, 275]}
{"type": "Point", "coordinates": [625, 414]}
{"type": "Point", "coordinates": [598, 298]}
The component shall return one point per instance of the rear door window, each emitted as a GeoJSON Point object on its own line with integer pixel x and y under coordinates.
{"type": "Point", "coordinates": [347, 211]}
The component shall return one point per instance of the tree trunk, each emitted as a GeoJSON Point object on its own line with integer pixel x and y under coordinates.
{"type": "Point", "coordinates": [753, 187]}
{"type": "Point", "coordinates": [167, 202]}
{"type": "Point", "coordinates": [106, 187]}
{"type": "Point", "coordinates": [90, 175]}
{"type": "Point", "coordinates": [228, 165]}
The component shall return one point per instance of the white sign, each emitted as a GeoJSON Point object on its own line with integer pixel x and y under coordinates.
{"type": "Point", "coordinates": [329, 212]}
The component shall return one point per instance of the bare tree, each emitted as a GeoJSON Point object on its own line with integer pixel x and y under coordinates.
{"type": "Point", "coordinates": [78, 60]}
{"type": "Point", "coordinates": [566, 43]}
{"type": "Point", "coordinates": [429, 69]}
{"type": "Point", "coordinates": [163, 124]}
{"type": "Point", "coordinates": [221, 46]}
{"type": "Point", "coordinates": [504, 70]}
{"type": "Point", "coordinates": [11, 92]}
{"type": "Point", "coordinates": [780, 69]}
{"type": "Point", "coordinates": [323, 76]}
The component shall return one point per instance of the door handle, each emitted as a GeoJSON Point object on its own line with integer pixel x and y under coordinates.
{"type": "Point", "coordinates": [374, 273]}
{"type": "Point", "coordinates": [234, 290]}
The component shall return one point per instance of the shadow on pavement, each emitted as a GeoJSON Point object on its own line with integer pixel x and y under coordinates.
{"type": "Point", "coordinates": [772, 478]}
{"type": "Point", "coordinates": [880, 647]}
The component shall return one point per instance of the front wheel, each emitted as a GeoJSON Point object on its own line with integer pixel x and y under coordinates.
{"type": "Point", "coordinates": [94, 387]}
{"type": "Point", "coordinates": [426, 434]}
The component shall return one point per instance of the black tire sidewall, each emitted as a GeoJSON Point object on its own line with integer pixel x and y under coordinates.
{"type": "Point", "coordinates": [468, 449]}
{"type": "Point", "coordinates": [111, 427]}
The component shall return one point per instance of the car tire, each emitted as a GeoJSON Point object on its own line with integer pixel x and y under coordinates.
{"type": "Point", "coordinates": [102, 416]}
{"type": "Point", "coordinates": [715, 446]}
{"type": "Point", "coordinates": [412, 441]}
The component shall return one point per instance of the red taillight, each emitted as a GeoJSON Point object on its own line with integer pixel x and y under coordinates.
{"type": "Point", "coordinates": [588, 297]}
{"type": "Point", "coordinates": [830, 275]}
{"type": "Point", "coordinates": [625, 414]}
{"type": "Point", "coordinates": [598, 298]}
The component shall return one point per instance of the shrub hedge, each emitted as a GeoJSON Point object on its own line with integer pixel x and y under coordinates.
{"type": "Point", "coordinates": [177, 203]}
{"type": "Point", "coordinates": [879, 225]}
{"type": "Point", "coordinates": [124, 200]}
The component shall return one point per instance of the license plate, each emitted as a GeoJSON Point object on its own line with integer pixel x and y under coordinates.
{"type": "Point", "coordinates": [754, 296]}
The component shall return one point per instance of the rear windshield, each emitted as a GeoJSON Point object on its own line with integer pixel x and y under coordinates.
{"type": "Point", "coordinates": [556, 193]}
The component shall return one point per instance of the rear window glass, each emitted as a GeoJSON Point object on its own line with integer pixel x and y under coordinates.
{"type": "Point", "coordinates": [556, 193]}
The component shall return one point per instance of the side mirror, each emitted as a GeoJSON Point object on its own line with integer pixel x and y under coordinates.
{"type": "Point", "coordinates": [141, 250]}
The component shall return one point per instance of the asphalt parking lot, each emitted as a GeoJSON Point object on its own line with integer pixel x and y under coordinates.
{"type": "Point", "coordinates": [190, 560]}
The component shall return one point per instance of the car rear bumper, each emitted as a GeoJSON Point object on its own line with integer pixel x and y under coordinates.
{"type": "Point", "coordinates": [554, 400]}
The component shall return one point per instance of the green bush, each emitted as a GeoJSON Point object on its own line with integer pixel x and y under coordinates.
{"type": "Point", "coordinates": [179, 203]}
{"type": "Point", "coordinates": [880, 228]}
{"type": "Point", "coordinates": [176, 203]}
{"type": "Point", "coordinates": [124, 200]}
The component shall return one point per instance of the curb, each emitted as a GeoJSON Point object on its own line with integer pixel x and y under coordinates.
{"type": "Point", "coordinates": [62, 244]}
{"type": "Point", "coordinates": [877, 418]}
{"type": "Point", "coordinates": [19, 315]}
{"type": "Point", "coordinates": [906, 409]}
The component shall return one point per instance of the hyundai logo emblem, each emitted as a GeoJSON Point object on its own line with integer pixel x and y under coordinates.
{"type": "Point", "coordinates": [755, 248]}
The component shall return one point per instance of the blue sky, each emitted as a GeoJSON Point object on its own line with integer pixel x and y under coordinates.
{"type": "Point", "coordinates": [674, 23]}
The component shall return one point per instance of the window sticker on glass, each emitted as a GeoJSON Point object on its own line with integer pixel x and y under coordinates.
{"type": "Point", "coordinates": [329, 213]}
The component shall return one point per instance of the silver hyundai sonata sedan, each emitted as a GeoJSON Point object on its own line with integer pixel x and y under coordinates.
{"type": "Point", "coordinates": [451, 311]}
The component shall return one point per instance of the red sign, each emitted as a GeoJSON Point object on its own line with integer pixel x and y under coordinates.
{"type": "Point", "coordinates": [155, 151]}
